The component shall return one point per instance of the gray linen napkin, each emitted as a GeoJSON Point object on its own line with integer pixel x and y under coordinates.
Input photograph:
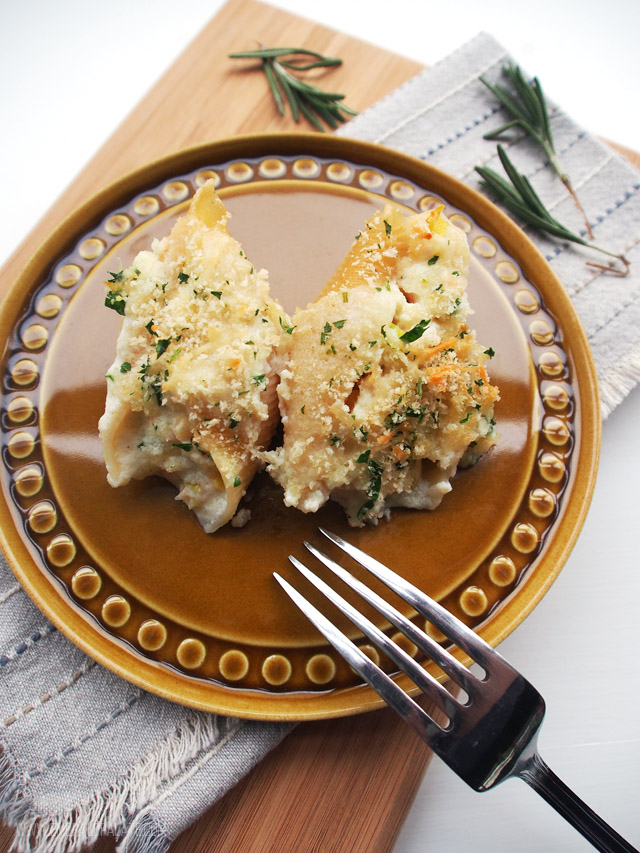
{"type": "Point", "coordinates": [86, 753]}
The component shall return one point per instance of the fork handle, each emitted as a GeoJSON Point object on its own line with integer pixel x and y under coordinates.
{"type": "Point", "coordinates": [545, 782]}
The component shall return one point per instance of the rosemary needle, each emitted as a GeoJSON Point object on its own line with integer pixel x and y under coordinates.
{"type": "Point", "coordinates": [527, 105]}
{"type": "Point", "coordinates": [304, 98]}
{"type": "Point", "coordinates": [518, 196]}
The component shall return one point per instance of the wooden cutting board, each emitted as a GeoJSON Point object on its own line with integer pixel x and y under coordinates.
{"type": "Point", "coordinates": [341, 785]}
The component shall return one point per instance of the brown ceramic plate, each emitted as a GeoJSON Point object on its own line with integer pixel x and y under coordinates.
{"type": "Point", "coordinates": [129, 575]}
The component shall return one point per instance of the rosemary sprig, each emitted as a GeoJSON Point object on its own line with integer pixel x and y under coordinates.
{"type": "Point", "coordinates": [304, 98]}
{"type": "Point", "coordinates": [518, 195]}
{"type": "Point", "coordinates": [527, 105]}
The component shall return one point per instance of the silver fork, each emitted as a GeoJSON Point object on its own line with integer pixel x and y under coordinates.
{"type": "Point", "coordinates": [492, 732]}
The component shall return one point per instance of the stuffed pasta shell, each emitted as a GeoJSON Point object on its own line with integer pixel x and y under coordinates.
{"type": "Point", "coordinates": [384, 389]}
{"type": "Point", "coordinates": [191, 392]}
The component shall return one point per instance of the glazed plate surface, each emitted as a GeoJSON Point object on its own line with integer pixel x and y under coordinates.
{"type": "Point", "coordinates": [129, 575]}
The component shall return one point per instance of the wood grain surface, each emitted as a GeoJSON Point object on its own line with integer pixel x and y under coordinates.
{"type": "Point", "coordinates": [340, 785]}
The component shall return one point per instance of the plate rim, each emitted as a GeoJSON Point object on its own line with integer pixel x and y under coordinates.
{"type": "Point", "coordinates": [250, 704]}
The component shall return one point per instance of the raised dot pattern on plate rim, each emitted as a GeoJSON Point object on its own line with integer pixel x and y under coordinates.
{"type": "Point", "coordinates": [553, 460]}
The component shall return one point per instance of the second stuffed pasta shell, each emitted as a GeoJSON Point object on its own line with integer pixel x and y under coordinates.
{"type": "Point", "coordinates": [384, 389]}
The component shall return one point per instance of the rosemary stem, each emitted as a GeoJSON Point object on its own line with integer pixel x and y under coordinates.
{"type": "Point", "coordinates": [282, 67]}
{"type": "Point", "coordinates": [605, 251]}
{"type": "Point", "coordinates": [527, 106]}
{"type": "Point", "coordinates": [517, 194]}
{"type": "Point", "coordinates": [566, 180]}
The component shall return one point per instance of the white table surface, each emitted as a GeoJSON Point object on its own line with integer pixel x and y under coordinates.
{"type": "Point", "coordinates": [581, 646]}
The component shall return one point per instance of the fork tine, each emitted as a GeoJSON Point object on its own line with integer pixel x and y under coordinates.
{"type": "Point", "coordinates": [384, 686]}
{"type": "Point", "coordinates": [423, 679]}
{"type": "Point", "coordinates": [463, 636]}
{"type": "Point", "coordinates": [426, 644]}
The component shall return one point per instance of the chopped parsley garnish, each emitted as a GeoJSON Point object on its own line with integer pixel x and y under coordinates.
{"type": "Point", "coordinates": [345, 296]}
{"type": "Point", "coordinates": [416, 413]}
{"type": "Point", "coordinates": [183, 277]}
{"type": "Point", "coordinates": [387, 227]}
{"type": "Point", "coordinates": [237, 482]}
{"type": "Point", "coordinates": [149, 328]}
{"type": "Point", "coordinates": [479, 382]}
{"type": "Point", "coordinates": [161, 346]}
{"type": "Point", "coordinates": [325, 331]}
{"type": "Point", "coordinates": [174, 355]}
{"type": "Point", "coordinates": [302, 408]}
{"type": "Point", "coordinates": [216, 293]}
{"type": "Point", "coordinates": [364, 456]}
{"type": "Point", "coordinates": [156, 387]}
{"type": "Point", "coordinates": [455, 272]}
{"type": "Point", "coordinates": [373, 489]}
{"type": "Point", "coordinates": [395, 418]}
{"type": "Point", "coordinates": [415, 333]}
{"type": "Point", "coordinates": [339, 323]}
{"type": "Point", "coordinates": [115, 276]}
{"type": "Point", "coordinates": [116, 301]}
{"type": "Point", "coordinates": [335, 439]}
{"type": "Point", "coordinates": [183, 445]}
{"type": "Point", "coordinates": [490, 352]}
{"type": "Point", "coordinates": [259, 379]}
{"type": "Point", "coordinates": [109, 376]}
{"type": "Point", "coordinates": [125, 367]}
{"type": "Point", "coordinates": [233, 422]}
{"type": "Point", "coordinates": [287, 329]}
{"type": "Point", "coordinates": [465, 418]}
{"type": "Point", "coordinates": [433, 260]}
